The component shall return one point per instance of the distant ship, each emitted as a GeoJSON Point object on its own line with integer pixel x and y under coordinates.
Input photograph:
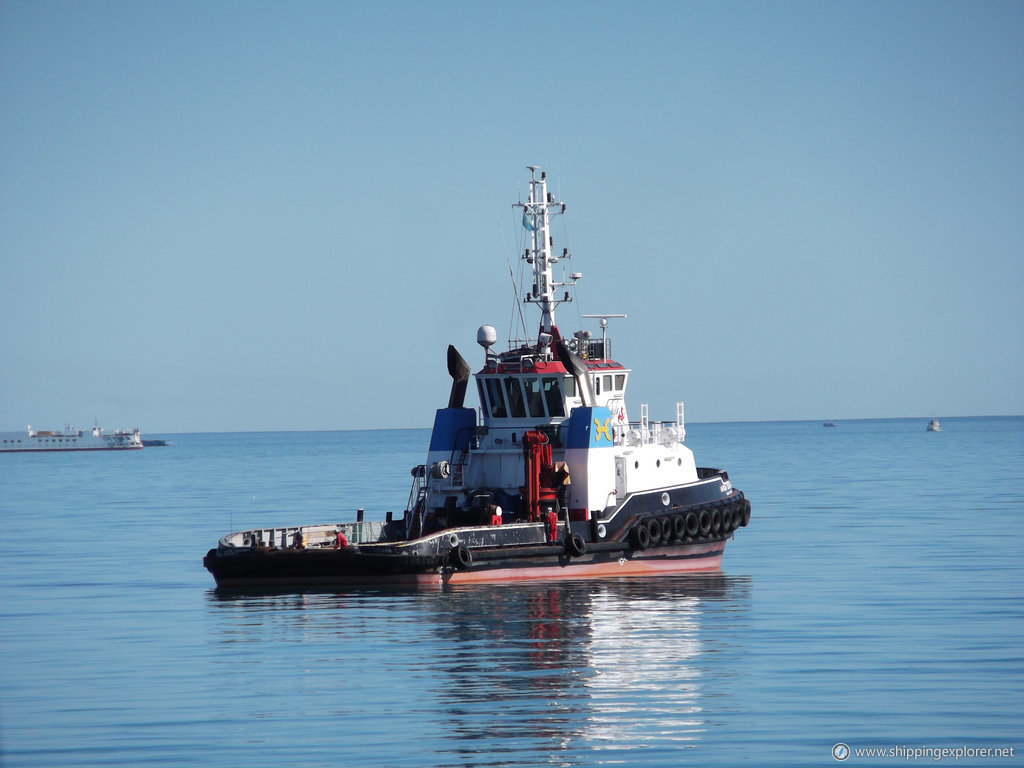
{"type": "Point", "coordinates": [69, 439]}
{"type": "Point", "coordinates": [829, 424]}
{"type": "Point", "coordinates": [934, 426]}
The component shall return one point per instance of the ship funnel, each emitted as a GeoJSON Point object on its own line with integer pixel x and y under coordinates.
{"type": "Point", "coordinates": [574, 365]}
{"type": "Point", "coordinates": [459, 370]}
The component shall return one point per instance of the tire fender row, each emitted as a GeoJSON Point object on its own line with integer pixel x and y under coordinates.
{"type": "Point", "coordinates": [705, 522]}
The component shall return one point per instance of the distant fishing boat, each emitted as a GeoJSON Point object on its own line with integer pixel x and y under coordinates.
{"type": "Point", "coordinates": [829, 424]}
{"type": "Point", "coordinates": [69, 439]}
{"type": "Point", "coordinates": [934, 426]}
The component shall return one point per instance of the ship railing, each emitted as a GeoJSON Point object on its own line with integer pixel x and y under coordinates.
{"type": "Point", "coordinates": [587, 348]}
{"type": "Point", "coordinates": [649, 433]}
{"type": "Point", "coordinates": [365, 532]}
{"type": "Point", "coordinates": [307, 536]}
{"type": "Point", "coordinates": [646, 432]}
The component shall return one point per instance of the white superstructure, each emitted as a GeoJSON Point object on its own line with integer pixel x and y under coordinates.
{"type": "Point", "coordinates": [70, 439]}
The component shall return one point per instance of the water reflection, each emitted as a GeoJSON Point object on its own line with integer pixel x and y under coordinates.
{"type": "Point", "coordinates": [565, 673]}
{"type": "Point", "coordinates": [583, 667]}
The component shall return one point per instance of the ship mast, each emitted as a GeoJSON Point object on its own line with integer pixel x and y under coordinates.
{"type": "Point", "coordinates": [536, 212]}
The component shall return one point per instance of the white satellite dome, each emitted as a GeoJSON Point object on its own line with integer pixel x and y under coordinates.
{"type": "Point", "coordinates": [486, 336]}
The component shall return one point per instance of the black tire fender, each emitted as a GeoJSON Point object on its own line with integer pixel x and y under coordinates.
{"type": "Point", "coordinates": [461, 557]}
{"type": "Point", "coordinates": [705, 522]}
{"type": "Point", "coordinates": [654, 531]}
{"type": "Point", "coordinates": [640, 536]}
{"type": "Point", "coordinates": [727, 518]}
{"type": "Point", "coordinates": [575, 545]}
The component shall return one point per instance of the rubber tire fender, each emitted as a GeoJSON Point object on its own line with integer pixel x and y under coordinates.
{"type": "Point", "coordinates": [461, 557]}
{"type": "Point", "coordinates": [746, 513]}
{"type": "Point", "coordinates": [640, 536]}
{"type": "Point", "coordinates": [705, 522]}
{"type": "Point", "coordinates": [716, 520]}
{"type": "Point", "coordinates": [727, 518]}
{"type": "Point", "coordinates": [692, 525]}
{"type": "Point", "coordinates": [654, 530]}
{"type": "Point", "coordinates": [575, 545]}
{"type": "Point", "coordinates": [678, 527]}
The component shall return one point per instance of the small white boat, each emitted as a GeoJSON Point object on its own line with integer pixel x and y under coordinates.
{"type": "Point", "coordinates": [934, 426]}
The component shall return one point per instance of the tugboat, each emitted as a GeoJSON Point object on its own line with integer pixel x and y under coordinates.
{"type": "Point", "coordinates": [551, 479]}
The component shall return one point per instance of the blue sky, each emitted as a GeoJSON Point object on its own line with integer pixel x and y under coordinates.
{"type": "Point", "coordinates": [267, 215]}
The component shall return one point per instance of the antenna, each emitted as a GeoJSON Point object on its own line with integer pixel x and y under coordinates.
{"type": "Point", "coordinates": [537, 210]}
{"type": "Point", "coordinates": [604, 326]}
{"type": "Point", "coordinates": [511, 277]}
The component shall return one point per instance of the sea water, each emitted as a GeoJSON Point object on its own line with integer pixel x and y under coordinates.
{"type": "Point", "coordinates": [876, 600]}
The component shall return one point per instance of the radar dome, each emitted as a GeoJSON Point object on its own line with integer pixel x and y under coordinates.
{"type": "Point", "coordinates": [486, 336]}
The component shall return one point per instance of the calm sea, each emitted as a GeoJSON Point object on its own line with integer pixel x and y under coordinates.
{"type": "Point", "coordinates": [877, 599]}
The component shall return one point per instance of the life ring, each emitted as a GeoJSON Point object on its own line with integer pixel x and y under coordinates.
{"type": "Point", "coordinates": [678, 527]}
{"type": "Point", "coordinates": [654, 529]}
{"type": "Point", "coordinates": [692, 525]}
{"type": "Point", "coordinates": [705, 522]}
{"type": "Point", "coordinates": [575, 545]}
{"type": "Point", "coordinates": [640, 536]}
{"type": "Point", "coordinates": [461, 557]}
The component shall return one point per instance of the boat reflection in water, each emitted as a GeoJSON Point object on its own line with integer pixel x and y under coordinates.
{"type": "Point", "coordinates": [644, 674]}
{"type": "Point", "coordinates": [531, 674]}
{"type": "Point", "coordinates": [595, 666]}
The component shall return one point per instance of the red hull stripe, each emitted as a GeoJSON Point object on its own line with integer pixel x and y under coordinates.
{"type": "Point", "coordinates": [710, 560]}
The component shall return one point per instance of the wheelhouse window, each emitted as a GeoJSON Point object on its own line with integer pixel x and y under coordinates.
{"type": "Point", "coordinates": [533, 397]}
{"type": "Point", "coordinates": [608, 384]}
{"type": "Point", "coordinates": [495, 399]}
{"type": "Point", "coordinates": [521, 397]}
{"type": "Point", "coordinates": [516, 407]}
{"type": "Point", "coordinates": [552, 386]}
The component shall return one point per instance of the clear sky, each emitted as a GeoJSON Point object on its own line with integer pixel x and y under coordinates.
{"type": "Point", "coordinates": [270, 215]}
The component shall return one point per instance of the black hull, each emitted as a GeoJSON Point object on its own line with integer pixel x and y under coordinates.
{"type": "Point", "coordinates": [312, 568]}
{"type": "Point", "coordinates": [643, 536]}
